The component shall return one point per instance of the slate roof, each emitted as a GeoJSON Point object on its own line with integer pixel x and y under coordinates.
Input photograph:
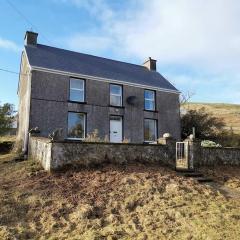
{"type": "Point", "coordinates": [78, 63]}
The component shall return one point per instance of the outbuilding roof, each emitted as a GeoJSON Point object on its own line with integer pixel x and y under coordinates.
{"type": "Point", "coordinates": [42, 56]}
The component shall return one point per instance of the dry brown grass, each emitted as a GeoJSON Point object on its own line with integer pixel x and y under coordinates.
{"type": "Point", "coordinates": [230, 113]}
{"type": "Point", "coordinates": [111, 202]}
{"type": "Point", "coordinates": [8, 138]}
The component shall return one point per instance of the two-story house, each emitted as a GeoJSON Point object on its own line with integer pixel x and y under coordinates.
{"type": "Point", "coordinates": [79, 93]}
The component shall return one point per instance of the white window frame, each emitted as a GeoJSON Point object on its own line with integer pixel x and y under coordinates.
{"type": "Point", "coordinates": [116, 95]}
{"type": "Point", "coordinates": [77, 89]}
{"type": "Point", "coordinates": [156, 134]}
{"type": "Point", "coordinates": [84, 127]}
{"type": "Point", "coordinates": [153, 100]}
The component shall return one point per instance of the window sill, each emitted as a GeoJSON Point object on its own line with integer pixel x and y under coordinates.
{"type": "Point", "coordinates": [150, 142]}
{"type": "Point", "coordinates": [155, 111]}
{"type": "Point", "coordinates": [70, 101]}
{"type": "Point", "coordinates": [116, 106]}
{"type": "Point", "coordinates": [75, 139]}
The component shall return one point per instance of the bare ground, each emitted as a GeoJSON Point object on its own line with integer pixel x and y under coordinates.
{"type": "Point", "coordinates": [115, 202]}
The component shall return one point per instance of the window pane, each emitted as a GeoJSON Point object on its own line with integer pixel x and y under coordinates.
{"type": "Point", "coordinates": [149, 100]}
{"type": "Point", "coordinates": [77, 90]}
{"type": "Point", "coordinates": [150, 130]}
{"type": "Point", "coordinates": [116, 118]}
{"type": "Point", "coordinates": [76, 125]}
{"type": "Point", "coordinates": [149, 105]}
{"type": "Point", "coordinates": [77, 95]}
{"type": "Point", "coordinates": [116, 89]}
{"type": "Point", "coordinates": [115, 95]}
{"type": "Point", "coordinates": [115, 100]}
{"type": "Point", "coordinates": [76, 83]}
{"type": "Point", "coordinates": [149, 94]}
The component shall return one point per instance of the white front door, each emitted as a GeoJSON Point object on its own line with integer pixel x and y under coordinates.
{"type": "Point", "coordinates": [115, 129]}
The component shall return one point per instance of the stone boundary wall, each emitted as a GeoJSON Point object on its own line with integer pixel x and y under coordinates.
{"type": "Point", "coordinates": [57, 155]}
{"type": "Point", "coordinates": [219, 156]}
{"type": "Point", "coordinates": [40, 149]}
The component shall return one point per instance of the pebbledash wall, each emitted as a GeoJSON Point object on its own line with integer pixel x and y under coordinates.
{"type": "Point", "coordinates": [57, 155]}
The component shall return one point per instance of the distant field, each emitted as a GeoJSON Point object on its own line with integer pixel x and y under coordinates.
{"type": "Point", "coordinates": [230, 113]}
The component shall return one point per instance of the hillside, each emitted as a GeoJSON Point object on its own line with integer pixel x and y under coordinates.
{"type": "Point", "coordinates": [230, 113]}
{"type": "Point", "coordinates": [115, 202]}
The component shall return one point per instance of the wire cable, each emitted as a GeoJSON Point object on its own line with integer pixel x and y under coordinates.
{"type": "Point", "coordinates": [13, 72]}
{"type": "Point", "coordinates": [26, 19]}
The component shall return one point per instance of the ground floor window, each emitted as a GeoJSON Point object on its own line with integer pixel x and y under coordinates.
{"type": "Point", "coordinates": [76, 125]}
{"type": "Point", "coordinates": [150, 130]}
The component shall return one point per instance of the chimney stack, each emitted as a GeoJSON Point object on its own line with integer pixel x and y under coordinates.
{"type": "Point", "coordinates": [30, 38]}
{"type": "Point", "coordinates": [150, 64]}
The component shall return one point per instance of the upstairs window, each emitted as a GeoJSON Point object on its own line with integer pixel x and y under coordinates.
{"type": "Point", "coordinates": [115, 95]}
{"type": "Point", "coordinates": [77, 90]}
{"type": "Point", "coordinates": [76, 125]}
{"type": "Point", "coordinates": [149, 100]}
{"type": "Point", "coordinates": [150, 130]}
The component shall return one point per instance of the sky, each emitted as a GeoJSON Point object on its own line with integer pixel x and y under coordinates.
{"type": "Point", "coordinates": [196, 43]}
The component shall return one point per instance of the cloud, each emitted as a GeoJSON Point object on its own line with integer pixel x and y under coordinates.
{"type": "Point", "coordinates": [9, 45]}
{"type": "Point", "coordinates": [97, 8]}
{"type": "Point", "coordinates": [196, 33]}
{"type": "Point", "coordinates": [208, 87]}
{"type": "Point", "coordinates": [201, 36]}
{"type": "Point", "coordinates": [88, 43]}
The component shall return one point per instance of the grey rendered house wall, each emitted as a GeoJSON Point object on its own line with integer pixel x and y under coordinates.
{"type": "Point", "coordinates": [50, 106]}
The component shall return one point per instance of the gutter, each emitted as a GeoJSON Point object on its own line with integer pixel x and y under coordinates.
{"type": "Point", "coordinates": [65, 73]}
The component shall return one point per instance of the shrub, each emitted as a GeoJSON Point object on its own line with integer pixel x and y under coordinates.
{"type": "Point", "coordinates": [125, 140]}
{"type": "Point", "coordinates": [94, 137]}
{"type": "Point", "coordinates": [206, 126]}
{"type": "Point", "coordinates": [6, 117]}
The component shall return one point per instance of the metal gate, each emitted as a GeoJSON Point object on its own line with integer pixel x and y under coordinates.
{"type": "Point", "coordinates": [182, 155]}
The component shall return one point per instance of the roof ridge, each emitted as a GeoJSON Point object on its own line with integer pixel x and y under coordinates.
{"type": "Point", "coordinates": [90, 55]}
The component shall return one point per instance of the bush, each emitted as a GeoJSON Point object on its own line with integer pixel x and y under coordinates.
{"type": "Point", "coordinates": [206, 126]}
{"type": "Point", "coordinates": [6, 117]}
{"type": "Point", "coordinates": [94, 137]}
{"type": "Point", "coordinates": [228, 139]}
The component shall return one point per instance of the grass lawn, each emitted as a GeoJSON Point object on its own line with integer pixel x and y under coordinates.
{"type": "Point", "coordinates": [115, 202]}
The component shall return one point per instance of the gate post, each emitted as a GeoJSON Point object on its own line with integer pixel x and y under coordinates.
{"type": "Point", "coordinates": [194, 152]}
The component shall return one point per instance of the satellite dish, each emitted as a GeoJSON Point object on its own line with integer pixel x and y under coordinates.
{"type": "Point", "coordinates": [132, 100]}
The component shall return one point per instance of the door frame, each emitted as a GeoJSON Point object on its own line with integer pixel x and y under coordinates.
{"type": "Point", "coordinates": [120, 116]}
{"type": "Point", "coordinates": [183, 155]}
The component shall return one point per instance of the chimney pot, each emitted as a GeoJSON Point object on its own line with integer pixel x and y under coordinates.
{"type": "Point", "coordinates": [150, 64]}
{"type": "Point", "coordinates": [30, 38]}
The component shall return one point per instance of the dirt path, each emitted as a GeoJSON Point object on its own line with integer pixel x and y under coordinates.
{"type": "Point", "coordinates": [225, 190]}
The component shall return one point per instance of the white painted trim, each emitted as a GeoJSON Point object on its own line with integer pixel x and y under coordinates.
{"type": "Point", "coordinates": [151, 142]}
{"type": "Point", "coordinates": [77, 139]}
{"type": "Point", "coordinates": [26, 137]}
{"type": "Point", "coordinates": [70, 74]}
{"type": "Point", "coordinates": [24, 50]}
